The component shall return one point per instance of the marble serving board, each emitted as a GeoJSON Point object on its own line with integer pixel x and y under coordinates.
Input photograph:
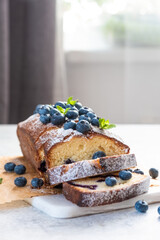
{"type": "Point", "coordinates": [57, 206]}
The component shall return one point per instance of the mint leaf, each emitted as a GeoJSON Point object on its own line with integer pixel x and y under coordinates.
{"type": "Point", "coordinates": [67, 109]}
{"type": "Point", "coordinates": [111, 126]}
{"type": "Point", "coordinates": [1, 179]}
{"type": "Point", "coordinates": [71, 101]}
{"type": "Point", "coordinates": [104, 124]}
{"type": "Point", "coordinates": [62, 110]}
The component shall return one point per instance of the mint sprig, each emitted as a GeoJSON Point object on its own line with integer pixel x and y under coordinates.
{"type": "Point", "coordinates": [104, 124]}
{"type": "Point", "coordinates": [1, 179]}
{"type": "Point", "coordinates": [71, 101]}
{"type": "Point", "coordinates": [62, 110]}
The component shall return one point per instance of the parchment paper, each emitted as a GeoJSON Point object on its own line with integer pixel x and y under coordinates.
{"type": "Point", "coordinates": [10, 192]}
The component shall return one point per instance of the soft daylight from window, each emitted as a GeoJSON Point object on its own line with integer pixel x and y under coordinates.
{"type": "Point", "coordinates": [101, 24]}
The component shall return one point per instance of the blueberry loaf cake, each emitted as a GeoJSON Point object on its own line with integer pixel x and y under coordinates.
{"type": "Point", "coordinates": [104, 190]}
{"type": "Point", "coordinates": [65, 133]}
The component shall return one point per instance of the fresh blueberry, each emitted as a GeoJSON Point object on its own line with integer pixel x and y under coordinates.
{"type": "Point", "coordinates": [61, 104]}
{"type": "Point", "coordinates": [153, 172]}
{"type": "Point", "coordinates": [85, 117]}
{"type": "Point", "coordinates": [138, 171]}
{"type": "Point", "coordinates": [45, 109]}
{"type": "Point", "coordinates": [98, 154]}
{"type": "Point", "coordinates": [141, 206]}
{"type": "Point", "coordinates": [73, 108]}
{"type": "Point", "coordinates": [20, 169]}
{"type": "Point", "coordinates": [78, 105]}
{"type": "Point", "coordinates": [125, 175]}
{"type": "Point", "coordinates": [91, 115]}
{"type": "Point", "coordinates": [72, 114]}
{"type": "Point", "coordinates": [53, 111]}
{"type": "Point", "coordinates": [95, 122]}
{"type": "Point", "coordinates": [158, 210]}
{"type": "Point", "coordinates": [37, 108]}
{"type": "Point", "coordinates": [68, 106]}
{"type": "Point", "coordinates": [9, 167]}
{"type": "Point", "coordinates": [45, 118]}
{"type": "Point", "coordinates": [37, 182]}
{"type": "Point", "coordinates": [83, 126]}
{"type": "Point", "coordinates": [70, 124]}
{"type": "Point", "coordinates": [111, 181]}
{"type": "Point", "coordinates": [58, 119]}
{"type": "Point", "coordinates": [83, 111]}
{"type": "Point", "coordinates": [20, 181]}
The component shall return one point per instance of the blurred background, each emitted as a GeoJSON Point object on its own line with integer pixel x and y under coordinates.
{"type": "Point", "coordinates": [106, 53]}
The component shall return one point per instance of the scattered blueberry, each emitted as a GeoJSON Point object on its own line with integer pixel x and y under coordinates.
{"type": "Point", "coordinates": [72, 114]}
{"type": "Point", "coordinates": [125, 175]}
{"type": "Point", "coordinates": [20, 181]}
{"type": "Point", "coordinates": [91, 115]}
{"type": "Point", "coordinates": [45, 118]}
{"type": "Point", "coordinates": [98, 154]}
{"type": "Point", "coordinates": [70, 124]}
{"type": "Point", "coordinates": [58, 118]}
{"type": "Point", "coordinates": [45, 109]}
{"type": "Point", "coordinates": [61, 104]}
{"type": "Point", "coordinates": [158, 210]}
{"type": "Point", "coordinates": [37, 182]}
{"type": "Point", "coordinates": [141, 206]}
{"type": "Point", "coordinates": [83, 126]}
{"type": "Point", "coordinates": [83, 110]}
{"type": "Point", "coordinates": [153, 172]}
{"type": "Point", "coordinates": [138, 171]}
{"type": "Point", "coordinates": [111, 181]}
{"type": "Point", "coordinates": [78, 105]}
{"type": "Point", "coordinates": [95, 122]}
{"type": "Point", "coordinates": [85, 117]}
{"type": "Point", "coordinates": [20, 169]}
{"type": "Point", "coordinates": [53, 111]}
{"type": "Point", "coordinates": [9, 167]}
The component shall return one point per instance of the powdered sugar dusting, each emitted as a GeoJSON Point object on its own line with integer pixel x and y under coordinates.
{"type": "Point", "coordinates": [139, 184]}
{"type": "Point", "coordinates": [34, 127]}
{"type": "Point", "coordinates": [86, 168]}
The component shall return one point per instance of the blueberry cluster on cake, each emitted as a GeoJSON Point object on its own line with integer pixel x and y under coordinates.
{"type": "Point", "coordinates": [68, 141]}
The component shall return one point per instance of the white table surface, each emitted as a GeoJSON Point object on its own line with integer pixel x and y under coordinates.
{"type": "Point", "coordinates": [21, 221]}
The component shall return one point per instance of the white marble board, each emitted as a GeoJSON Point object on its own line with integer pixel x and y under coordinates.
{"type": "Point", "coordinates": [57, 206]}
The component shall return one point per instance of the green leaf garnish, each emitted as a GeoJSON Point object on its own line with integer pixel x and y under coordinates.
{"type": "Point", "coordinates": [62, 110]}
{"type": "Point", "coordinates": [71, 101]}
{"type": "Point", "coordinates": [67, 109]}
{"type": "Point", "coordinates": [104, 124]}
{"type": "Point", "coordinates": [1, 179]}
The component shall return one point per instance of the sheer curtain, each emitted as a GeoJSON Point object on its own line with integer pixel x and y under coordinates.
{"type": "Point", "coordinates": [32, 67]}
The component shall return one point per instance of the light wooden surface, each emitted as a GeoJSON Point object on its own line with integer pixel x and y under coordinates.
{"type": "Point", "coordinates": [21, 221]}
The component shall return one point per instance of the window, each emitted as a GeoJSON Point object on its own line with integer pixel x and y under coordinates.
{"type": "Point", "coordinates": [101, 24]}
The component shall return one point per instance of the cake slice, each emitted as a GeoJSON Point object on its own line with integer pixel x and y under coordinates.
{"type": "Point", "coordinates": [92, 192]}
{"type": "Point", "coordinates": [87, 168]}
